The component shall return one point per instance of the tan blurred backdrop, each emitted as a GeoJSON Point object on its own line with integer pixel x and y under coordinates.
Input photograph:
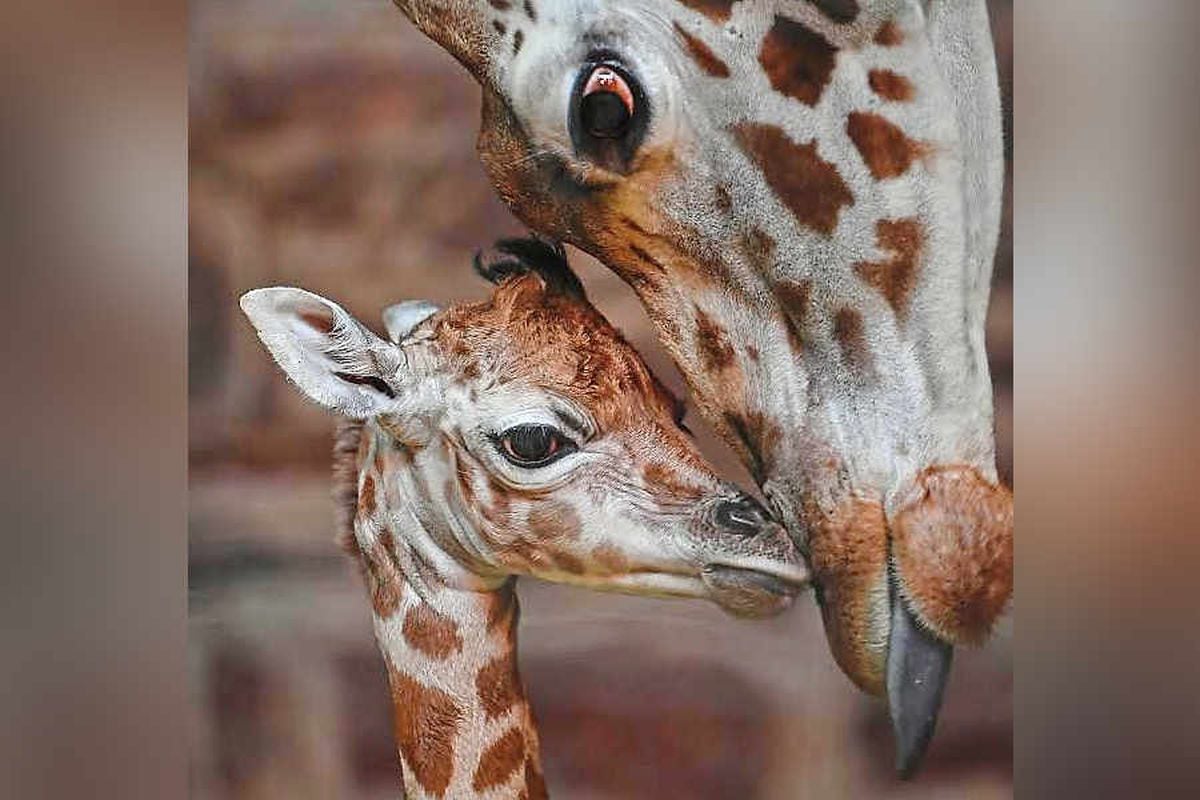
{"type": "Point", "coordinates": [331, 147]}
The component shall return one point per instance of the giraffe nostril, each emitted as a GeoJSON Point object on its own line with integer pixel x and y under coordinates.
{"type": "Point", "coordinates": [742, 516]}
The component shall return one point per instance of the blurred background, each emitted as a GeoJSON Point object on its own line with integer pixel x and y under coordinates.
{"type": "Point", "coordinates": [332, 147]}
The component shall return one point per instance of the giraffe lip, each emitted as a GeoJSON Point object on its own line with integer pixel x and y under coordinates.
{"type": "Point", "coordinates": [771, 576]}
{"type": "Point", "coordinates": [746, 592]}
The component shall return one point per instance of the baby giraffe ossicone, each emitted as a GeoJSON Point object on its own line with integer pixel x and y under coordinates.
{"type": "Point", "coordinates": [518, 436]}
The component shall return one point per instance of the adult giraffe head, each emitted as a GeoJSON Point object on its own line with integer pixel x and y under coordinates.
{"type": "Point", "coordinates": [805, 196]}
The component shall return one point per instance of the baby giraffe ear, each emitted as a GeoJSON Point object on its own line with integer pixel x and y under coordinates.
{"type": "Point", "coordinates": [400, 319]}
{"type": "Point", "coordinates": [332, 357]}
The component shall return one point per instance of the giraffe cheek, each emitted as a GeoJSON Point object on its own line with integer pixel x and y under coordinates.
{"type": "Point", "coordinates": [952, 546]}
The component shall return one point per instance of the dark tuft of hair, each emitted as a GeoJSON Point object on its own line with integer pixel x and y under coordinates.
{"type": "Point", "coordinates": [522, 255]}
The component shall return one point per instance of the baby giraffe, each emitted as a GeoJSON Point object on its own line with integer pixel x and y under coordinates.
{"type": "Point", "coordinates": [518, 436]}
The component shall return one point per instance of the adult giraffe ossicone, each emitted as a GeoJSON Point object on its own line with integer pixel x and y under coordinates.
{"type": "Point", "coordinates": [806, 198]}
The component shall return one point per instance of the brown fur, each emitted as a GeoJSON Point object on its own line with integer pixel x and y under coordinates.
{"type": "Point", "coordinates": [610, 559]}
{"type": "Point", "coordinates": [885, 149]}
{"type": "Point", "coordinates": [889, 35]}
{"type": "Point", "coordinates": [952, 544]}
{"type": "Point", "coordinates": [383, 580]}
{"type": "Point", "coordinates": [499, 685]}
{"type": "Point", "coordinates": [535, 784]}
{"type": "Point", "coordinates": [427, 720]}
{"type": "Point", "coordinates": [895, 278]}
{"type": "Point", "coordinates": [347, 437]}
{"type": "Point", "coordinates": [838, 10]}
{"type": "Point", "coordinates": [716, 10]}
{"type": "Point", "coordinates": [890, 86]}
{"type": "Point", "coordinates": [716, 352]}
{"type": "Point", "coordinates": [431, 633]}
{"type": "Point", "coordinates": [848, 554]}
{"type": "Point", "coordinates": [848, 331]}
{"type": "Point", "coordinates": [758, 437]}
{"type": "Point", "coordinates": [500, 761]}
{"type": "Point", "coordinates": [759, 249]}
{"type": "Point", "coordinates": [809, 186]}
{"type": "Point", "coordinates": [798, 61]}
{"type": "Point", "coordinates": [702, 54]}
{"type": "Point", "coordinates": [560, 343]}
{"type": "Point", "coordinates": [502, 608]}
{"type": "Point", "coordinates": [366, 500]}
{"type": "Point", "coordinates": [662, 479]}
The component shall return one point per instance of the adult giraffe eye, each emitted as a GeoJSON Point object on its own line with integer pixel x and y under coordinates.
{"type": "Point", "coordinates": [606, 105]}
{"type": "Point", "coordinates": [534, 445]}
{"type": "Point", "coordinates": [609, 114]}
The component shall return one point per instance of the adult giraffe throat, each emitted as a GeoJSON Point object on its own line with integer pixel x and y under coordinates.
{"type": "Point", "coordinates": [805, 196]}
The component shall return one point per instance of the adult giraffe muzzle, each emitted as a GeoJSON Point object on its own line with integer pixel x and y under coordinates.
{"type": "Point", "coordinates": [806, 198]}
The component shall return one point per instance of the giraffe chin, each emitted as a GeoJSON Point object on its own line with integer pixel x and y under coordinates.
{"type": "Point", "coordinates": [748, 593]}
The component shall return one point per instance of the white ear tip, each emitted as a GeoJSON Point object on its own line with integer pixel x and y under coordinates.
{"type": "Point", "coordinates": [400, 319]}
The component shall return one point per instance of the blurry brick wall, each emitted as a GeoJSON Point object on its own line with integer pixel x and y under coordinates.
{"type": "Point", "coordinates": [332, 147]}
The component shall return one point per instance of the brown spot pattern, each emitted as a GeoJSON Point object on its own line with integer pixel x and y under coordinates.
{"type": "Point", "coordinates": [518, 40]}
{"type": "Point", "coordinates": [426, 723]}
{"type": "Point", "coordinates": [431, 633]}
{"type": "Point", "coordinates": [902, 240]}
{"type": "Point", "coordinates": [808, 185]}
{"type": "Point", "coordinates": [716, 352]}
{"type": "Point", "coordinates": [890, 85]}
{"type": "Point", "coordinates": [759, 437]}
{"type": "Point", "coordinates": [848, 554]}
{"type": "Point", "coordinates": [366, 499]}
{"type": "Point", "coordinates": [851, 338]}
{"type": "Point", "coordinates": [794, 298]}
{"type": "Point", "coordinates": [383, 580]}
{"type": "Point", "coordinates": [953, 548]}
{"type": "Point", "coordinates": [702, 54]}
{"type": "Point", "coordinates": [838, 10]}
{"type": "Point", "coordinates": [612, 560]}
{"type": "Point", "coordinates": [500, 761]}
{"type": "Point", "coordinates": [889, 34]}
{"type": "Point", "coordinates": [798, 61]}
{"type": "Point", "coordinates": [716, 10]}
{"type": "Point", "coordinates": [551, 521]}
{"type": "Point", "coordinates": [502, 607]}
{"type": "Point", "coordinates": [724, 201]}
{"type": "Point", "coordinates": [887, 152]}
{"type": "Point", "coordinates": [498, 685]}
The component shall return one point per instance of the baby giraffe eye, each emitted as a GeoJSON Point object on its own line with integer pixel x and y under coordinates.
{"type": "Point", "coordinates": [533, 445]}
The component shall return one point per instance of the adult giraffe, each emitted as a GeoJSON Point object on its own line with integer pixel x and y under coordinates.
{"type": "Point", "coordinates": [806, 198]}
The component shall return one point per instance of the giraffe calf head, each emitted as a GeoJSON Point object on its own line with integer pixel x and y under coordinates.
{"type": "Point", "coordinates": [524, 435]}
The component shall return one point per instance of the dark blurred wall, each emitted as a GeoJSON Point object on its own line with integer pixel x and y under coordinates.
{"type": "Point", "coordinates": [332, 147]}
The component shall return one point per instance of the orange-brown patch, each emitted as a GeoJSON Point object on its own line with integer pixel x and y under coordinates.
{"type": "Point", "coordinates": [848, 552]}
{"type": "Point", "coordinates": [851, 338]}
{"type": "Point", "coordinates": [702, 54]}
{"type": "Point", "coordinates": [808, 185]}
{"type": "Point", "coordinates": [498, 685]}
{"type": "Point", "coordinates": [366, 498]}
{"type": "Point", "coordinates": [502, 608]}
{"type": "Point", "coordinates": [383, 579]}
{"type": "Point", "coordinates": [889, 34]}
{"type": "Point", "coordinates": [716, 352]}
{"type": "Point", "coordinates": [431, 633]}
{"type": "Point", "coordinates": [902, 240]}
{"type": "Point", "coordinates": [426, 722]}
{"type": "Point", "coordinates": [798, 61]}
{"type": "Point", "coordinates": [610, 559]}
{"type": "Point", "coordinates": [838, 10]}
{"type": "Point", "coordinates": [885, 149]}
{"type": "Point", "coordinates": [662, 479]}
{"type": "Point", "coordinates": [535, 784]}
{"type": "Point", "coordinates": [550, 521]}
{"type": "Point", "coordinates": [500, 761]}
{"type": "Point", "coordinates": [953, 548]}
{"type": "Point", "coordinates": [716, 10]}
{"type": "Point", "coordinates": [795, 299]}
{"type": "Point", "coordinates": [890, 85]}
